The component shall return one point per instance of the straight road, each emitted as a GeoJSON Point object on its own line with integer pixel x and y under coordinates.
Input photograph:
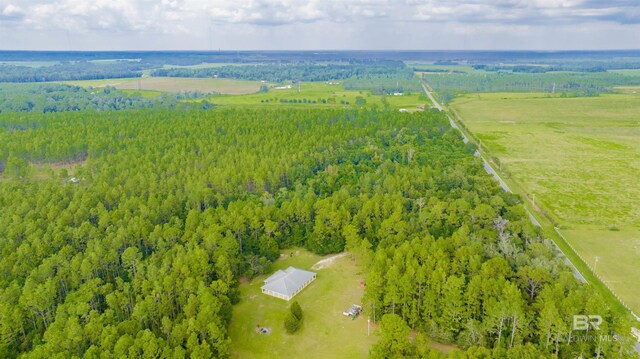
{"type": "Point", "coordinates": [506, 188]}
{"type": "Point", "coordinates": [490, 170]}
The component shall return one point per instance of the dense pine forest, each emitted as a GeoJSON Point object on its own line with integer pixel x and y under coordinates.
{"type": "Point", "coordinates": [140, 254]}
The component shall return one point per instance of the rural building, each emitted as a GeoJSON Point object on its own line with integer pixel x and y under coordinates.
{"type": "Point", "coordinates": [285, 284]}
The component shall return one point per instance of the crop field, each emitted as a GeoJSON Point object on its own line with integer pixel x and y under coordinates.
{"type": "Point", "coordinates": [580, 158]}
{"type": "Point", "coordinates": [325, 332]}
{"type": "Point", "coordinates": [175, 84]}
{"type": "Point", "coordinates": [333, 95]}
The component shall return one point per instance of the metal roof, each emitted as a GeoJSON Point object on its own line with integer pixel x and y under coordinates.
{"type": "Point", "coordinates": [288, 282]}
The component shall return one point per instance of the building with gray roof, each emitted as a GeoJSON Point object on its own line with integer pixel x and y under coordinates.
{"type": "Point", "coordinates": [285, 284]}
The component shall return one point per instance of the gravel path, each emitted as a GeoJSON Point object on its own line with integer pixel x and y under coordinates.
{"type": "Point", "coordinates": [328, 261]}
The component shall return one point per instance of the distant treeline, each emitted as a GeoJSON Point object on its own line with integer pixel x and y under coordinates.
{"type": "Point", "coordinates": [439, 57]}
{"type": "Point", "coordinates": [375, 75]}
{"type": "Point", "coordinates": [579, 66]}
{"type": "Point", "coordinates": [70, 71]}
{"type": "Point", "coordinates": [578, 84]}
{"type": "Point", "coordinates": [46, 98]}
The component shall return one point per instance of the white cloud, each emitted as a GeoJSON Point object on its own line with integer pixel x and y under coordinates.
{"type": "Point", "coordinates": [355, 22]}
{"type": "Point", "coordinates": [11, 12]}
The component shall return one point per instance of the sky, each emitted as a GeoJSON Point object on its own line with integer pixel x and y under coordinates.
{"type": "Point", "coordinates": [319, 24]}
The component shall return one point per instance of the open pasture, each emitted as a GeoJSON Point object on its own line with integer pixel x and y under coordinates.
{"type": "Point", "coordinates": [580, 158]}
{"type": "Point", "coordinates": [176, 84]}
{"type": "Point", "coordinates": [334, 95]}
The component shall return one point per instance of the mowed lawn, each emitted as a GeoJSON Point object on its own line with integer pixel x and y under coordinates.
{"type": "Point", "coordinates": [176, 84]}
{"type": "Point", "coordinates": [325, 332]}
{"type": "Point", "coordinates": [580, 157]}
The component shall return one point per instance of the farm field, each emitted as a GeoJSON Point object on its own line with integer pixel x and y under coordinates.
{"type": "Point", "coordinates": [334, 95]}
{"type": "Point", "coordinates": [325, 332]}
{"type": "Point", "coordinates": [580, 157]}
{"type": "Point", "coordinates": [175, 84]}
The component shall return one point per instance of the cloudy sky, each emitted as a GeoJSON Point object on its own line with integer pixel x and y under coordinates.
{"type": "Point", "coordinates": [318, 24]}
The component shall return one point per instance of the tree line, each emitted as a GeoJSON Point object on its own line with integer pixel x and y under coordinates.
{"type": "Point", "coordinates": [46, 98]}
{"type": "Point", "coordinates": [575, 84]}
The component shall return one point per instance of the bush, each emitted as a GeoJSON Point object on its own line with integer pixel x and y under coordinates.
{"type": "Point", "coordinates": [291, 323]}
{"type": "Point", "coordinates": [294, 318]}
{"type": "Point", "coordinates": [296, 310]}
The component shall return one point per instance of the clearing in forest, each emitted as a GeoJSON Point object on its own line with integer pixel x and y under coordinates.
{"type": "Point", "coordinates": [176, 84]}
{"type": "Point", "coordinates": [325, 332]}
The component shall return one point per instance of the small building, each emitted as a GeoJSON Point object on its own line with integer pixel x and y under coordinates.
{"type": "Point", "coordinates": [285, 284]}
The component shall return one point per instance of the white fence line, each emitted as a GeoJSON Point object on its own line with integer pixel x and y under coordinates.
{"type": "Point", "coordinates": [597, 275]}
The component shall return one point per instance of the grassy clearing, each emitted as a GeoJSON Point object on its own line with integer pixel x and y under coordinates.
{"type": "Point", "coordinates": [30, 63]}
{"type": "Point", "coordinates": [113, 61]}
{"type": "Point", "coordinates": [325, 332]}
{"type": "Point", "coordinates": [581, 159]}
{"type": "Point", "coordinates": [630, 72]}
{"type": "Point", "coordinates": [627, 89]}
{"type": "Point", "coordinates": [48, 171]}
{"type": "Point", "coordinates": [425, 65]}
{"type": "Point", "coordinates": [334, 96]}
{"type": "Point", "coordinates": [100, 83]}
{"type": "Point", "coordinates": [144, 93]}
{"type": "Point", "coordinates": [175, 84]}
{"type": "Point", "coordinates": [618, 264]}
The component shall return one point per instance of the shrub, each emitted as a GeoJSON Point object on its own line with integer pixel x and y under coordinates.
{"type": "Point", "coordinates": [296, 310]}
{"type": "Point", "coordinates": [291, 323]}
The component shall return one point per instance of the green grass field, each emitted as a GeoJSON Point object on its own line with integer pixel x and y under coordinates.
{"type": "Point", "coordinates": [30, 63]}
{"type": "Point", "coordinates": [439, 68]}
{"type": "Point", "coordinates": [325, 332]}
{"type": "Point", "coordinates": [630, 72]}
{"type": "Point", "coordinates": [334, 95]}
{"type": "Point", "coordinates": [580, 157]}
{"type": "Point", "coordinates": [175, 84]}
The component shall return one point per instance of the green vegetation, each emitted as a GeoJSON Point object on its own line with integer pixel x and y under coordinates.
{"type": "Point", "coordinates": [80, 70]}
{"type": "Point", "coordinates": [315, 94]}
{"type": "Point", "coordinates": [569, 84]}
{"type": "Point", "coordinates": [142, 255]}
{"type": "Point", "coordinates": [381, 76]}
{"type": "Point", "coordinates": [574, 155]}
{"type": "Point", "coordinates": [45, 98]}
{"type": "Point", "coordinates": [148, 231]}
{"type": "Point", "coordinates": [172, 84]}
{"type": "Point", "coordinates": [293, 320]}
{"type": "Point", "coordinates": [29, 63]}
{"type": "Point", "coordinates": [324, 333]}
